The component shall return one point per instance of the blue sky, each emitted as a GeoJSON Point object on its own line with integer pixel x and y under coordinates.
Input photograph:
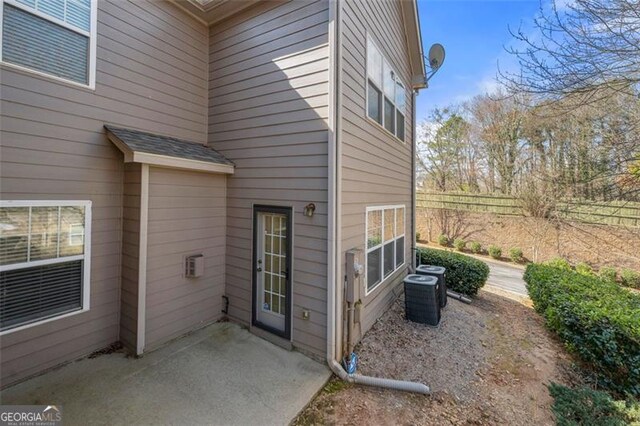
{"type": "Point", "coordinates": [474, 33]}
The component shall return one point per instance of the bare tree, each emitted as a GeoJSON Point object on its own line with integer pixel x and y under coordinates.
{"type": "Point", "coordinates": [499, 121]}
{"type": "Point", "coordinates": [584, 51]}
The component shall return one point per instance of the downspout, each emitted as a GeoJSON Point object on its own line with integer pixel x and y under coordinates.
{"type": "Point", "coordinates": [414, 244]}
{"type": "Point", "coordinates": [334, 299]}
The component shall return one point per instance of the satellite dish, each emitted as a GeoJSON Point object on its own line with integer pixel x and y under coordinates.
{"type": "Point", "coordinates": [436, 56]}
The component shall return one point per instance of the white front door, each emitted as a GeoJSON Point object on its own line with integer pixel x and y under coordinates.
{"type": "Point", "coordinates": [272, 270]}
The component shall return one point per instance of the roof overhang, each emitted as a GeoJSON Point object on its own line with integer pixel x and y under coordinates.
{"type": "Point", "coordinates": [210, 12]}
{"type": "Point", "coordinates": [169, 161]}
{"type": "Point", "coordinates": [414, 40]}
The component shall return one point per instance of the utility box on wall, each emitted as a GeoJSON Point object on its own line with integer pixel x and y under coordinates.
{"type": "Point", "coordinates": [354, 272]}
{"type": "Point", "coordinates": [194, 266]}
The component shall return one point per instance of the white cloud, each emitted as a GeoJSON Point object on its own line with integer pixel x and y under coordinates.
{"type": "Point", "coordinates": [489, 84]}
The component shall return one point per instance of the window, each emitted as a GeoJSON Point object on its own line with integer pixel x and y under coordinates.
{"type": "Point", "coordinates": [385, 243]}
{"type": "Point", "coordinates": [52, 37]}
{"type": "Point", "coordinates": [44, 261]}
{"type": "Point", "coordinates": [385, 93]}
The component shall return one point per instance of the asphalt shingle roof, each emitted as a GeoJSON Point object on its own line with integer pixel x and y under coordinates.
{"type": "Point", "coordinates": [163, 145]}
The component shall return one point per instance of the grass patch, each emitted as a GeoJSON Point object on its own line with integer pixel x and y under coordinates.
{"type": "Point", "coordinates": [335, 385]}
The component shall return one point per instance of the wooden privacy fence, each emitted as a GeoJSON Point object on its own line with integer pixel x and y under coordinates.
{"type": "Point", "coordinates": [620, 213]}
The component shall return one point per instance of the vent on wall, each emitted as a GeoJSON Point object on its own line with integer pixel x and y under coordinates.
{"type": "Point", "coordinates": [194, 266]}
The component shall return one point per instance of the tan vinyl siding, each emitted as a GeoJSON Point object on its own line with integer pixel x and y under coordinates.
{"type": "Point", "coordinates": [268, 99]}
{"type": "Point", "coordinates": [376, 167]}
{"type": "Point", "coordinates": [130, 256]}
{"type": "Point", "coordinates": [187, 215]}
{"type": "Point", "coordinates": [151, 75]}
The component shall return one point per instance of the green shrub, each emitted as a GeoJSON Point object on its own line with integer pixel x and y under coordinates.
{"type": "Point", "coordinates": [464, 274]}
{"type": "Point", "coordinates": [558, 262]}
{"type": "Point", "coordinates": [584, 268]}
{"type": "Point", "coordinates": [598, 320]}
{"type": "Point", "coordinates": [418, 236]}
{"type": "Point", "coordinates": [443, 240]}
{"type": "Point", "coordinates": [476, 247]}
{"type": "Point", "coordinates": [495, 251]}
{"type": "Point", "coordinates": [607, 273]}
{"type": "Point", "coordinates": [588, 407]}
{"type": "Point", "coordinates": [459, 244]}
{"type": "Point", "coordinates": [630, 278]}
{"type": "Point", "coordinates": [516, 256]}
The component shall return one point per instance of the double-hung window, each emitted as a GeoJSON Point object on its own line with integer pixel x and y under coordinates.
{"type": "Point", "coordinates": [44, 261]}
{"type": "Point", "coordinates": [385, 243]}
{"type": "Point", "coordinates": [385, 92]}
{"type": "Point", "coordinates": [52, 37]}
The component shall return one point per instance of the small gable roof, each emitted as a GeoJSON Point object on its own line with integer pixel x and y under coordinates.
{"type": "Point", "coordinates": [153, 149]}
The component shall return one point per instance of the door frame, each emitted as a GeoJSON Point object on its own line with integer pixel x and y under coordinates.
{"type": "Point", "coordinates": [288, 212]}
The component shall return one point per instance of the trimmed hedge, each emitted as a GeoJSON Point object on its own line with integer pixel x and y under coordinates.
{"type": "Point", "coordinates": [495, 251]}
{"type": "Point", "coordinates": [464, 274]}
{"type": "Point", "coordinates": [598, 321]}
{"type": "Point", "coordinates": [588, 407]}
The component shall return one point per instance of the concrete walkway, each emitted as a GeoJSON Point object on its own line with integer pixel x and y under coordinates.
{"type": "Point", "coordinates": [220, 375]}
{"type": "Point", "coordinates": [506, 277]}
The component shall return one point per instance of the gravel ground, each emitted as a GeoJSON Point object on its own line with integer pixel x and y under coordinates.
{"type": "Point", "coordinates": [396, 347]}
{"type": "Point", "coordinates": [487, 363]}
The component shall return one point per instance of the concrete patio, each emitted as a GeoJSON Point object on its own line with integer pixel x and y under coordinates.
{"type": "Point", "coordinates": [219, 375]}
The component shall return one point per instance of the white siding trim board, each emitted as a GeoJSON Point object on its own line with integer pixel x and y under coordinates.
{"type": "Point", "coordinates": [142, 259]}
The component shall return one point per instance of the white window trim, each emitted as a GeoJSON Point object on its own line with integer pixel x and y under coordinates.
{"type": "Point", "coordinates": [369, 37]}
{"type": "Point", "coordinates": [381, 246]}
{"type": "Point", "coordinates": [86, 256]}
{"type": "Point", "coordinates": [92, 42]}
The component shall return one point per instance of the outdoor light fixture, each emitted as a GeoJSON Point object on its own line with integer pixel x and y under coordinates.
{"type": "Point", "coordinates": [309, 209]}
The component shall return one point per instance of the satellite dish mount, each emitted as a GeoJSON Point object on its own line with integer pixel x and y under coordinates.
{"type": "Point", "coordinates": [436, 58]}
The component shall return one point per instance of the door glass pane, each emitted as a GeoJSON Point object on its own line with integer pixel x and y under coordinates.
{"type": "Point", "coordinates": [374, 228]}
{"type": "Point", "coordinates": [275, 228]}
{"type": "Point", "coordinates": [373, 268]}
{"type": "Point", "coordinates": [389, 115]}
{"type": "Point", "coordinates": [266, 304]}
{"type": "Point", "coordinates": [14, 234]}
{"type": "Point", "coordinates": [373, 103]}
{"type": "Point", "coordinates": [267, 281]}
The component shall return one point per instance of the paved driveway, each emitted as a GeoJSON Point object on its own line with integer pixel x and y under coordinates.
{"type": "Point", "coordinates": [220, 375]}
{"type": "Point", "coordinates": [506, 277]}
